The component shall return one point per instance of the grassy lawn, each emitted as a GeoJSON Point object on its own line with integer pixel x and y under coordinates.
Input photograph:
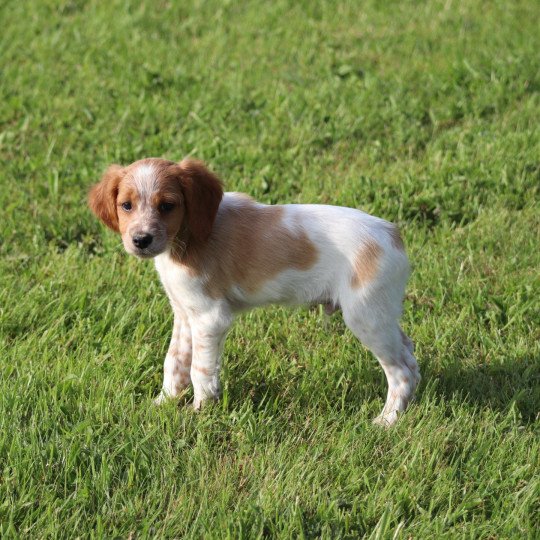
{"type": "Point", "coordinates": [426, 114]}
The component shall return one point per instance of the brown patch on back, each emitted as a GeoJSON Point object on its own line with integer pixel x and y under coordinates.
{"type": "Point", "coordinates": [366, 263]}
{"type": "Point", "coordinates": [249, 246]}
{"type": "Point", "coordinates": [395, 236]}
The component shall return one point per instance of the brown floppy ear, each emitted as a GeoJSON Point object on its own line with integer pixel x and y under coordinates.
{"type": "Point", "coordinates": [203, 192]}
{"type": "Point", "coordinates": [102, 196]}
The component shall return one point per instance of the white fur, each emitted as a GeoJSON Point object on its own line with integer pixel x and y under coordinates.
{"type": "Point", "coordinates": [146, 182]}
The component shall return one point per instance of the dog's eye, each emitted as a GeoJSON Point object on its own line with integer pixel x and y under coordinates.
{"type": "Point", "coordinates": [126, 206]}
{"type": "Point", "coordinates": [165, 207]}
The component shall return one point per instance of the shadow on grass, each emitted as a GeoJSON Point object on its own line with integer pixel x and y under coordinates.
{"type": "Point", "coordinates": [512, 382]}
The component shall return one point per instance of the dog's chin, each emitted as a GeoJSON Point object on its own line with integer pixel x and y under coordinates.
{"type": "Point", "coordinates": [146, 253]}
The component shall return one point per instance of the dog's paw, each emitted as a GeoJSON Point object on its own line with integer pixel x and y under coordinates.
{"type": "Point", "coordinates": [162, 397]}
{"type": "Point", "coordinates": [386, 420]}
{"type": "Point", "coordinates": [199, 403]}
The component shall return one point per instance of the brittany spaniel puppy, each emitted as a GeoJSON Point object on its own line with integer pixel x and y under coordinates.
{"type": "Point", "coordinates": [220, 253]}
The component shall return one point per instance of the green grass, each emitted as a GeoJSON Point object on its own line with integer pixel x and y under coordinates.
{"type": "Point", "coordinates": [426, 114]}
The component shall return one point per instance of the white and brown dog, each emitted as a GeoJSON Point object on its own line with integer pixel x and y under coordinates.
{"type": "Point", "coordinates": [220, 253]}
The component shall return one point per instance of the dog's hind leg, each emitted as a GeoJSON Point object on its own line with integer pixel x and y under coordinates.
{"type": "Point", "coordinates": [379, 331]}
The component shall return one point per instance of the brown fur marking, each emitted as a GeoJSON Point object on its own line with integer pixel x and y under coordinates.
{"type": "Point", "coordinates": [366, 263]}
{"type": "Point", "coordinates": [248, 247]}
{"type": "Point", "coordinates": [202, 192]}
{"type": "Point", "coordinates": [202, 370]}
{"type": "Point", "coordinates": [102, 196]}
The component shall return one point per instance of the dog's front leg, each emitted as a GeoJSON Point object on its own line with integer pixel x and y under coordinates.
{"type": "Point", "coordinates": [176, 369]}
{"type": "Point", "coordinates": [208, 341]}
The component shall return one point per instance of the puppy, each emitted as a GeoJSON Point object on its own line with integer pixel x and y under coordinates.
{"type": "Point", "coordinates": [220, 253]}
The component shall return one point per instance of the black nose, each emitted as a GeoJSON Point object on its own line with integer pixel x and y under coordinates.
{"type": "Point", "coordinates": [142, 240]}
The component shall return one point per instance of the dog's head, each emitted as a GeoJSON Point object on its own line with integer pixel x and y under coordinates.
{"type": "Point", "coordinates": [155, 204]}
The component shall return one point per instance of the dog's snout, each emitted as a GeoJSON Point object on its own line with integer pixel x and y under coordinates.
{"type": "Point", "coordinates": [142, 240]}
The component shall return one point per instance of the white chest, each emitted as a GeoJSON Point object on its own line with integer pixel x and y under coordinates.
{"type": "Point", "coordinates": [184, 290]}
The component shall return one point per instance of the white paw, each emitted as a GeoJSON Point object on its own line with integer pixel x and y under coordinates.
{"type": "Point", "coordinates": [161, 398]}
{"type": "Point", "coordinates": [199, 403]}
{"type": "Point", "coordinates": [386, 420]}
